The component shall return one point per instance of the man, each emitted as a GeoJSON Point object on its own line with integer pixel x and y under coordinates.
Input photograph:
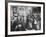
{"type": "Point", "coordinates": [18, 24]}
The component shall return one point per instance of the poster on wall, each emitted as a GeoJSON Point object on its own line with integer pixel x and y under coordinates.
{"type": "Point", "coordinates": [25, 18]}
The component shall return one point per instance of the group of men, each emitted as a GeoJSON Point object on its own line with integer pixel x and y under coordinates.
{"type": "Point", "coordinates": [27, 19]}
